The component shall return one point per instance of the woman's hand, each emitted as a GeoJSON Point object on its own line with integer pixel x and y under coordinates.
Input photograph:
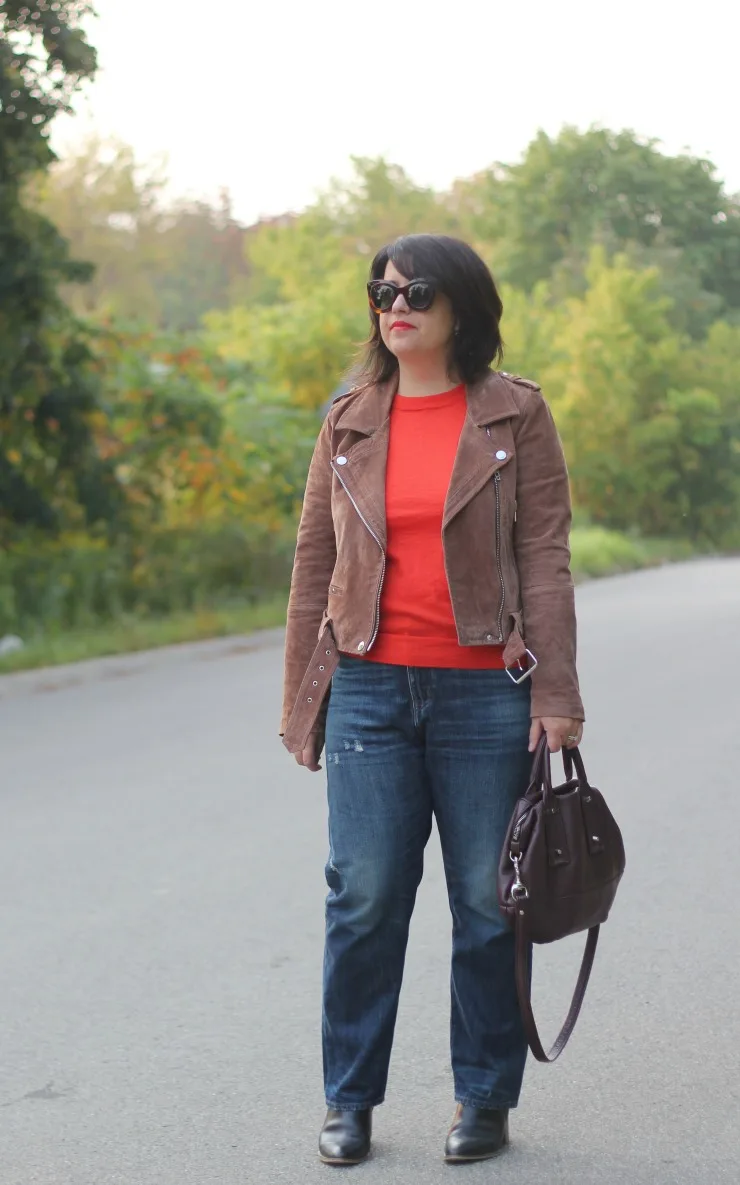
{"type": "Point", "coordinates": [562, 732]}
{"type": "Point", "coordinates": [309, 758]}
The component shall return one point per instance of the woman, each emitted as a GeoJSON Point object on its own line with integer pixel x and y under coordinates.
{"type": "Point", "coordinates": [433, 542]}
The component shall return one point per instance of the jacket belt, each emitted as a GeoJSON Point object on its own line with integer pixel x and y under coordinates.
{"type": "Point", "coordinates": [312, 692]}
{"type": "Point", "coordinates": [303, 720]}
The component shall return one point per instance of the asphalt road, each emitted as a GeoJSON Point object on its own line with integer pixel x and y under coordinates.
{"type": "Point", "coordinates": [161, 911]}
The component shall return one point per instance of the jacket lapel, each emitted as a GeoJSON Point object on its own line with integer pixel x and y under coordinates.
{"type": "Point", "coordinates": [477, 459]}
{"type": "Point", "coordinates": [363, 470]}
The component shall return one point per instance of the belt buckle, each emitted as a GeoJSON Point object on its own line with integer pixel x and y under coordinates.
{"type": "Point", "coordinates": [527, 673]}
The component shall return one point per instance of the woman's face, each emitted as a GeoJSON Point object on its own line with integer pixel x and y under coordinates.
{"type": "Point", "coordinates": [407, 333]}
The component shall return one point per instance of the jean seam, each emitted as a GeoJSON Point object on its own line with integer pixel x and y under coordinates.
{"type": "Point", "coordinates": [414, 714]}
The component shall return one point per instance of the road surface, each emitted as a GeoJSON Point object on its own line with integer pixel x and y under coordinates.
{"type": "Point", "coordinates": [161, 911]}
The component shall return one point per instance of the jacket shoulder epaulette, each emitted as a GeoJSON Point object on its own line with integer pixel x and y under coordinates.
{"type": "Point", "coordinates": [517, 378]}
{"type": "Point", "coordinates": [344, 395]}
{"type": "Point", "coordinates": [337, 398]}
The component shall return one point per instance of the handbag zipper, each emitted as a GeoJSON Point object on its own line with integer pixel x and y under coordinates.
{"type": "Point", "coordinates": [519, 824]}
{"type": "Point", "coordinates": [515, 848]}
{"type": "Point", "coordinates": [363, 520]}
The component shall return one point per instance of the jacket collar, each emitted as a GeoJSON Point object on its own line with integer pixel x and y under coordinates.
{"type": "Point", "coordinates": [489, 400]}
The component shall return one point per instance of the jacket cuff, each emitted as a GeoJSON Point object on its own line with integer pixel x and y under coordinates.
{"type": "Point", "coordinates": [556, 704]}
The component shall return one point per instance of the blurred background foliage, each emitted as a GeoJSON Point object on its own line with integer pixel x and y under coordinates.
{"type": "Point", "coordinates": [163, 369]}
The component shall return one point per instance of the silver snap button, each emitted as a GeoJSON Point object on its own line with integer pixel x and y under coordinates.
{"type": "Point", "coordinates": [360, 645]}
{"type": "Point", "coordinates": [500, 455]}
{"type": "Point", "coordinates": [341, 460]}
{"type": "Point", "coordinates": [489, 637]}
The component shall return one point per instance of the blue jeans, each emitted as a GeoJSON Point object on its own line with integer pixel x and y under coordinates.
{"type": "Point", "coordinates": [402, 744]}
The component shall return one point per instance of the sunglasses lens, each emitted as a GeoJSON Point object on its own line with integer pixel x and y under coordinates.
{"type": "Point", "coordinates": [421, 295]}
{"type": "Point", "coordinates": [382, 296]}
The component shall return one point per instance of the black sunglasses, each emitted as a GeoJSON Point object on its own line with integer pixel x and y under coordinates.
{"type": "Point", "coordinates": [418, 294]}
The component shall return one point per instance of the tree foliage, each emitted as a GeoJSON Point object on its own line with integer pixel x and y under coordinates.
{"type": "Point", "coordinates": [608, 250]}
{"type": "Point", "coordinates": [192, 440]}
{"type": "Point", "coordinates": [166, 408]}
{"type": "Point", "coordinates": [651, 445]}
{"type": "Point", "coordinates": [568, 192]}
{"type": "Point", "coordinates": [47, 460]}
{"type": "Point", "coordinates": [155, 262]}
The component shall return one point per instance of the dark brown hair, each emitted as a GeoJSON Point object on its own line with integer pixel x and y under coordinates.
{"type": "Point", "coordinates": [460, 273]}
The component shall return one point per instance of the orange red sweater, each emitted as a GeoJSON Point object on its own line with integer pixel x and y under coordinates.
{"type": "Point", "coordinates": [417, 626]}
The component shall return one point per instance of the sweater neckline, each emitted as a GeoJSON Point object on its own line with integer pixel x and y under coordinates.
{"type": "Point", "coordinates": [429, 402]}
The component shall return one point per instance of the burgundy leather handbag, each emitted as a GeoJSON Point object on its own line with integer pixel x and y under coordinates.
{"type": "Point", "coordinates": [558, 875]}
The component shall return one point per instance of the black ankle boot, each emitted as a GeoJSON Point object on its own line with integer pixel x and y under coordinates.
{"type": "Point", "coordinates": [345, 1136]}
{"type": "Point", "coordinates": [476, 1134]}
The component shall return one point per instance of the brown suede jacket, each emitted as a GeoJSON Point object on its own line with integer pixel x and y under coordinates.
{"type": "Point", "coordinates": [505, 532]}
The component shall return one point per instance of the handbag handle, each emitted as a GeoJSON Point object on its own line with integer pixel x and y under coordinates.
{"type": "Point", "coordinates": [542, 777]}
{"type": "Point", "coordinates": [572, 757]}
{"type": "Point", "coordinates": [524, 992]}
{"type": "Point", "coordinates": [542, 769]}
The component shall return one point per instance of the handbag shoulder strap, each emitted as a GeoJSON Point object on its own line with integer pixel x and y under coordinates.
{"type": "Point", "coordinates": [524, 992]}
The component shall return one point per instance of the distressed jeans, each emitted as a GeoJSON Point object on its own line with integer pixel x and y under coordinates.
{"type": "Point", "coordinates": [404, 744]}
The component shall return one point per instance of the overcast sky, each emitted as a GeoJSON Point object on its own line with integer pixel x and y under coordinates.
{"type": "Point", "coordinates": [270, 99]}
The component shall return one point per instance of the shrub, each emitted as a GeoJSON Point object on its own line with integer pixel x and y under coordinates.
{"type": "Point", "coordinates": [79, 580]}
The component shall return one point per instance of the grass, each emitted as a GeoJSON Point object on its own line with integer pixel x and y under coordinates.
{"type": "Point", "coordinates": [596, 552]}
{"type": "Point", "coordinates": [599, 552]}
{"type": "Point", "coordinates": [131, 634]}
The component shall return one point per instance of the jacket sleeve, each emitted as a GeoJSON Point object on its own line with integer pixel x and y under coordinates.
{"type": "Point", "coordinates": [541, 544]}
{"type": "Point", "coordinates": [315, 557]}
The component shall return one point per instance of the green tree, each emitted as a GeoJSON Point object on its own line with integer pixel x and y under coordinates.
{"type": "Point", "coordinates": [204, 262]}
{"type": "Point", "coordinates": [49, 467]}
{"type": "Point", "coordinates": [302, 328]}
{"type": "Point", "coordinates": [651, 439]}
{"type": "Point", "coordinates": [543, 214]}
{"type": "Point", "coordinates": [715, 478]}
{"type": "Point", "coordinates": [380, 202]}
{"type": "Point", "coordinates": [108, 209]}
{"type": "Point", "coordinates": [156, 261]}
{"type": "Point", "coordinates": [299, 349]}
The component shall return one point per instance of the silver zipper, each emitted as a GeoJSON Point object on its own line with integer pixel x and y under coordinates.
{"type": "Point", "coordinates": [376, 618]}
{"type": "Point", "coordinates": [497, 487]}
{"type": "Point", "coordinates": [518, 827]}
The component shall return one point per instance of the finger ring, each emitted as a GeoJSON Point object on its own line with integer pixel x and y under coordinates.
{"type": "Point", "coordinates": [571, 738]}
